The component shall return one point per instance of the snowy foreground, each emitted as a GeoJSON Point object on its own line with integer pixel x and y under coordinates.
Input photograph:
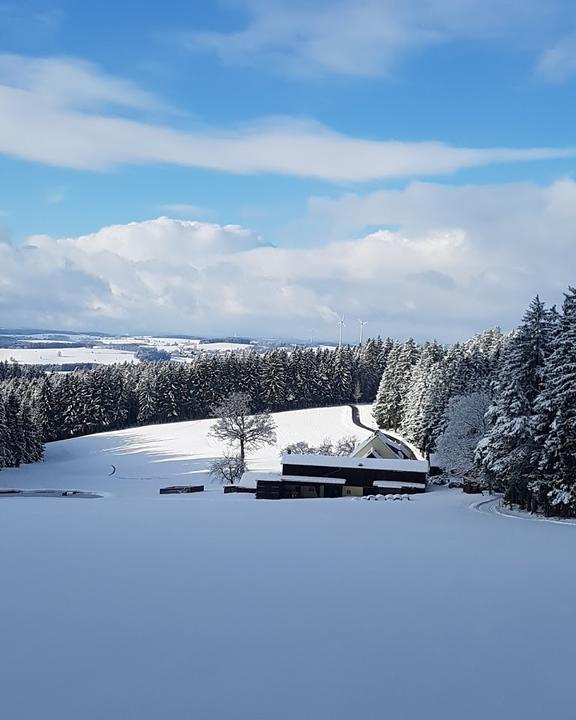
{"type": "Point", "coordinates": [137, 606]}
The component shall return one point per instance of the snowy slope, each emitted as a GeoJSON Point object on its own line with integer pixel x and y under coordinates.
{"type": "Point", "coordinates": [150, 457]}
{"type": "Point", "coordinates": [141, 607]}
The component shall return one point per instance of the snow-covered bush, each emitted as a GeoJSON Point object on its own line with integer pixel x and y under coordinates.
{"type": "Point", "coordinates": [344, 446]}
{"type": "Point", "coordinates": [298, 448]}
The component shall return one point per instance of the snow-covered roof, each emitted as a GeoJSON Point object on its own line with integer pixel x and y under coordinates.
{"type": "Point", "coordinates": [400, 447]}
{"type": "Point", "coordinates": [379, 445]}
{"type": "Point", "coordinates": [408, 446]}
{"type": "Point", "coordinates": [397, 483]}
{"type": "Point", "coordinates": [343, 461]}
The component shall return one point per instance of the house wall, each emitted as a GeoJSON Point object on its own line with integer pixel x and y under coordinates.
{"type": "Point", "coordinates": [353, 476]}
{"type": "Point", "coordinates": [271, 490]}
{"type": "Point", "coordinates": [352, 491]}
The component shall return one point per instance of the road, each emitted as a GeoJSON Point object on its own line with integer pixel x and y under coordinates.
{"type": "Point", "coordinates": [489, 506]}
{"type": "Point", "coordinates": [356, 419]}
{"type": "Point", "coordinates": [493, 506]}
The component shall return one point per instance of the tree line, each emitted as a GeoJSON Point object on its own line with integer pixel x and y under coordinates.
{"type": "Point", "coordinates": [56, 406]}
{"type": "Point", "coordinates": [530, 446]}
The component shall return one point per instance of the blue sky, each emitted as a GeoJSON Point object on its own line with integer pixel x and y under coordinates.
{"type": "Point", "coordinates": [309, 124]}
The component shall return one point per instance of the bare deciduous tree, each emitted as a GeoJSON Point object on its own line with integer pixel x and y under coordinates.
{"type": "Point", "coordinates": [238, 427]}
{"type": "Point", "coordinates": [228, 468]}
{"type": "Point", "coordinates": [465, 428]}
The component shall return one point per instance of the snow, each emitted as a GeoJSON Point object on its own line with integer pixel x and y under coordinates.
{"type": "Point", "coordinates": [224, 347]}
{"type": "Point", "coordinates": [365, 412]}
{"type": "Point", "coordinates": [153, 456]}
{"type": "Point", "coordinates": [139, 606]}
{"type": "Point", "coordinates": [111, 355]}
{"type": "Point", "coordinates": [353, 462]}
{"type": "Point", "coordinates": [176, 344]}
{"type": "Point", "coordinates": [63, 356]}
{"type": "Point", "coordinates": [396, 483]}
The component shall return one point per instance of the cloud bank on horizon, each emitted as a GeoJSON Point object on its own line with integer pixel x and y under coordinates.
{"type": "Point", "coordinates": [442, 274]}
{"type": "Point", "coordinates": [419, 155]}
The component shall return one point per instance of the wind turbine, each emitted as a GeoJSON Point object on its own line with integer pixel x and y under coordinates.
{"type": "Point", "coordinates": [362, 323]}
{"type": "Point", "coordinates": [341, 324]}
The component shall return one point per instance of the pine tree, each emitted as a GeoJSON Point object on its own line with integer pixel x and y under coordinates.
{"type": "Point", "coordinates": [341, 372]}
{"type": "Point", "coordinates": [395, 383]}
{"type": "Point", "coordinates": [371, 363]}
{"type": "Point", "coordinates": [15, 430]}
{"type": "Point", "coordinates": [383, 410]}
{"type": "Point", "coordinates": [31, 447]}
{"type": "Point", "coordinates": [419, 398]}
{"type": "Point", "coordinates": [555, 421]}
{"type": "Point", "coordinates": [45, 405]}
{"type": "Point", "coordinates": [274, 379]}
{"type": "Point", "coordinates": [146, 394]}
{"type": "Point", "coordinates": [507, 454]}
{"type": "Point", "coordinates": [4, 436]}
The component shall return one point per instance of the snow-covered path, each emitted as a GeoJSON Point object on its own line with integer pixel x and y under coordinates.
{"type": "Point", "coordinates": [141, 607]}
{"type": "Point", "coordinates": [488, 505]}
{"type": "Point", "coordinates": [494, 506]}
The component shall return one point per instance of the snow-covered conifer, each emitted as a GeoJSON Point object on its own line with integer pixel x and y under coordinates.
{"type": "Point", "coordinates": [465, 428]}
{"type": "Point", "coordinates": [554, 482]}
{"type": "Point", "coordinates": [507, 455]}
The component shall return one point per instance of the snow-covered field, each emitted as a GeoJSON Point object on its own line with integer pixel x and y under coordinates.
{"type": "Point", "coordinates": [181, 349]}
{"type": "Point", "coordinates": [110, 355]}
{"type": "Point", "coordinates": [63, 356]}
{"type": "Point", "coordinates": [175, 345]}
{"type": "Point", "coordinates": [141, 607]}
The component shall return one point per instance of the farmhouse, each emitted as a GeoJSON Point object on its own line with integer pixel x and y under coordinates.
{"type": "Point", "coordinates": [374, 468]}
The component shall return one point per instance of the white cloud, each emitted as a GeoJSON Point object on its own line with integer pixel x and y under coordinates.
{"type": "Point", "coordinates": [506, 214]}
{"type": "Point", "coordinates": [558, 63]}
{"type": "Point", "coordinates": [72, 83]}
{"type": "Point", "coordinates": [462, 259]}
{"type": "Point", "coordinates": [44, 118]}
{"type": "Point", "coordinates": [367, 37]}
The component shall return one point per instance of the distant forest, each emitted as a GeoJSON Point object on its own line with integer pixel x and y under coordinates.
{"type": "Point", "coordinates": [498, 408]}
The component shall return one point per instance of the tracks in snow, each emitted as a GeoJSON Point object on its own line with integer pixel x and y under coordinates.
{"type": "Point", "coordinates": [490, 506]}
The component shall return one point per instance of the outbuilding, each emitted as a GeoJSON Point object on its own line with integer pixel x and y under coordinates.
{"type": "Point", "coordinates": [310, 476]}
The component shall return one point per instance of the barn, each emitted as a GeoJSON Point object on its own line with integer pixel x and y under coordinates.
{"type": "Point", "coordinates": [331, 476]}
